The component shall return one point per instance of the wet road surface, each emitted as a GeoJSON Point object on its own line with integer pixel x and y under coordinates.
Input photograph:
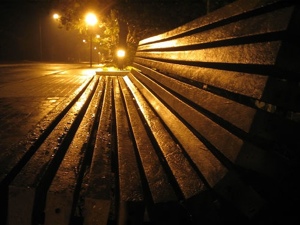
{"type": "Point", "coordinates": [29, 91]}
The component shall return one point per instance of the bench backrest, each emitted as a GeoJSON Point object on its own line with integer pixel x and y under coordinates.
{"type": "Point", "coordinates": [232, 77]}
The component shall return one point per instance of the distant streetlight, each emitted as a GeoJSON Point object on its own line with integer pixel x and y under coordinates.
{"type": "Point", "coordinates": [99, 58]}
{"type": "Point", "coordinates": [91, 20]}
{"type": "Point", "coordinates": [56, 16]}
{"type": "Point", "coordinates": [121, 55]}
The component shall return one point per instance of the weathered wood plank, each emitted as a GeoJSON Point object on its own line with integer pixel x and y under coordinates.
{"type": "Point", "coordinates": [248, 84]}
{"type": "Point", "coordinates": [261, 24]}
{"type": "Point", "coordinates": [63, 193]}
{"type": "Point", "coordinates": [250, 54]}
{"type": "Point", "coordinates": [235, 113]}
{"type": "Point", "coordinates": [98, 197]}
{"type": "Point", "coordinates": [159, 184]}
{"type": "Point", "coordinates": [131, 195]}
{"type": "Point", "coordinates": [171, 151]}
{"type": "Point", "coordinates": [227, 14]}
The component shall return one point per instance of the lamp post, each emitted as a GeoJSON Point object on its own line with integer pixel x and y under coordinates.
{"type": "Point", "coordinates": [55, 16]}
{"type": "Point", "coordinates": [91, 20]}
{"type": "Point", "coordinates": [40, 38]}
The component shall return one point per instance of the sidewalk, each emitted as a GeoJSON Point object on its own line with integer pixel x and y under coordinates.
{"type": "Point", "coordinates": [23, 104]}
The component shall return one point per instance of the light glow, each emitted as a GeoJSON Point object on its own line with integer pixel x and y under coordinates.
{"type": "Point", "coordinates": [56, 16]}
{"type": "Point", "coordinates": [120, 53]}
{"type": "Point", "coordinates": [91, 19]}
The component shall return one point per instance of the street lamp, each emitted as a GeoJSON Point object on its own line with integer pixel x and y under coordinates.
{"type": "Point", "coordinates": [56, 16]}
{"type": "Point", "coordinates": [91, 20]}
{"type": "Point", "coordinates": [121, 55]}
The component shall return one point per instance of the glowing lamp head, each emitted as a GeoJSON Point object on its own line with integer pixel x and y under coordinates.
{"type": "Point", "coordinates": [56, 16]}
{"type": "Point", "coordinates": [91, 19]}
{"type": "Point", "coordinates": [120, 53]}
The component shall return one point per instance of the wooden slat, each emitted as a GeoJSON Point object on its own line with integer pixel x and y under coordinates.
{"type": "Point", "coordinates": [98, 197]}
{"type": "Point", "coordinates": [229, 13]}
{"type": "Point", "coordinates": [235, 113]}
{"type": "Point", "coordinates": [197, 151]}
{"type": "Point", "coordinates": [237, 82]}
{"type": "Point", "coordinates": [63, 193]}
{"type": "Point", "coordinates": [262, 24]}
{"type": "Point", "coordinates": [188, 181]}
{"type": "Point", "coordinates": [131, 203]}
{"type": "Point", "coordinates": [251, 54]}
{"type": "Point", "coordinates": [279, 92]}
{"type": "Point", "coordinates": [157, 180]}
{"type": "Point", "coordinates": [221, 138]}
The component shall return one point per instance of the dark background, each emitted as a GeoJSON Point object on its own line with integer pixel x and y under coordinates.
{"type": "Point", "coordinates": [29, 32]}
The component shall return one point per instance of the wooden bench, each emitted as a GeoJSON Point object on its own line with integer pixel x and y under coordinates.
{"type": "Point", "coordinates": [226, 88]}
{"type": "Point", "coordinates": [203, 130]}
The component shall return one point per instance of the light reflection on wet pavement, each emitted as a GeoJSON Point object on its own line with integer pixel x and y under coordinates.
{"type": "Point", "coordinates": [25, 102]}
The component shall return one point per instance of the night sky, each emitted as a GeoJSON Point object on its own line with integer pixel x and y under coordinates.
{"type": "Point", "coordinates": [28, 32]}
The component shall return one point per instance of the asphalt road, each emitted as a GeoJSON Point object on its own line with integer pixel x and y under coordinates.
{"type": "Point", "coordinates": [29, 91]}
